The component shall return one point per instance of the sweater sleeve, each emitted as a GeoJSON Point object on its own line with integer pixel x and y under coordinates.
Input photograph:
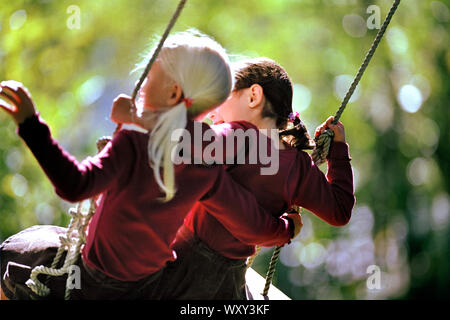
{"type": "Point", "coordinates": [239, 212]}
{"type": "Point", "coordinates": [72, 180]}
{"type": "Point", "coordinates": [330, 197]}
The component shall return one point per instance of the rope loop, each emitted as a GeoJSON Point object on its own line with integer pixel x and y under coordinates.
{"type": "Point", "coordinates": [76, 232]}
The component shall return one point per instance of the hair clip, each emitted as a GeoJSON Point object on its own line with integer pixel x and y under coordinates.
{"type": "Point", "coordinates": [293, 116]}
{"type": "Point", "coordinates": [188, 102]}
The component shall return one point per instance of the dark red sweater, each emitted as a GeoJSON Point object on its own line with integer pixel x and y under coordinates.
{"type": "Point", "coordinates": [130, 234]}
{"type": "Point", "coordinates": [298, 182]}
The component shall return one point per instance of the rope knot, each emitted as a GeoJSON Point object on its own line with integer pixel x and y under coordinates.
{"type": "Point", "coordinates": [323, 142]}
{"type": "Point", "coordinates": [65, 242]}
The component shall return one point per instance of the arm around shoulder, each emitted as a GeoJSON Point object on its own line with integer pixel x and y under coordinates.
{"type": "Point", "coordinates": [239, 212]}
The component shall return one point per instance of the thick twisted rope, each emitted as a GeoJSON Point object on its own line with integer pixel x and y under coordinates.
{"type": "Point", "coordinates": [72, 242]}
{"type": "Point", "coordinates": [271, 270]}
{"type": "Point", "coordinates": [323, 142]}
{"type": "Point", "coordinates": [76, 232]}
{"type": "Point", "coordinates": [252, 258]}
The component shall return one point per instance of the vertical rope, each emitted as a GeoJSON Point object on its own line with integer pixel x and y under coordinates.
{"type": "Point", "coordinates": [271, 270]}
{"type": "Point", "coordinates": [252, 258]}
{"type": "Point", "coordinates": [169, 27]}
{"type": "Point", "coordinates": [81, 240]}
{"type": "Point", "coordinates": [323, 142]}
{"type": "Point", "coordinates": [158, 49]}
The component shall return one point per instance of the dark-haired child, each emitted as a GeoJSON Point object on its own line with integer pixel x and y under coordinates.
{"type": "Point", "coordinates": [211, 261]}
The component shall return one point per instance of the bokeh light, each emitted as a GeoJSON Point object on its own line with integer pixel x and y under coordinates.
{"type": "Point", "coordinates": [91, 90]}
{"type": "Point", "coordinates": [440, 11]}
{"type": "Point", "coordinates": [301, 98]}
{"type": "Point", "coordinates": [397, 40]}
{"type": "Point", "coordinates": [396, 125]}
{"type": "Point", "coordinates": [354, 25]}
{"type": "Point", "coordinates": [410, 98]}
{"type": "Point", "coordinates": [440, 212]}
{"type": "Point", "coordinates": [17, 19]}
{"type": "Point", "coordinates": [342, 84]}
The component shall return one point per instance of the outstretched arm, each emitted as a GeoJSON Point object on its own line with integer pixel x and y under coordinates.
{"type": "Point", "coordinates": [72, 180]}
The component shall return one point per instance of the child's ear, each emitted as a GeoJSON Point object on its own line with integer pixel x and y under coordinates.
{"type": "Point", "coordinates": [256, 96]}
{"type": "Point", "coordinates": [175, 94]}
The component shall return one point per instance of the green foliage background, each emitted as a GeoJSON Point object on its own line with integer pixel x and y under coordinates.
{"type": "Point", "coordinates": [401, 158]}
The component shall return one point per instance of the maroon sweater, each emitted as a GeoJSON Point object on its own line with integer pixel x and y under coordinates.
{"type": "Point", "coordinates": [130, 234]}
{"type": "Point", "coordinates": [298, 182]}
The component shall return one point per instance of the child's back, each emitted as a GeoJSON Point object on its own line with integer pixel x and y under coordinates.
{"type": "Point", "coordinates": [297, 182]}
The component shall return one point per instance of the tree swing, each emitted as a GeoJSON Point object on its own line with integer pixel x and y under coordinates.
{"type": "Point", "coordinates": [75, 236]}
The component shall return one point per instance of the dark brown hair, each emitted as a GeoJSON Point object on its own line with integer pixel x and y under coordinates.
{"type": "Point", "coordinates": [277, 88]}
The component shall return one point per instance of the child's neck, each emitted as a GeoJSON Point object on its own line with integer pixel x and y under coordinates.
{"type": "Point", "coordinates": [264, 123]}
{"type": "Point", "coordinates": [267, 123]}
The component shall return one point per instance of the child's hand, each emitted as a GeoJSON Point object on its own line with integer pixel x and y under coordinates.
{"type": "Point", "coordinates": [338, 129]}
{"type": "Point", "coordinates": [22, 104]}
{"type": "Point", "coordinates": [297, 219]}
{"type": "Point", "coordinates": [123, 109]}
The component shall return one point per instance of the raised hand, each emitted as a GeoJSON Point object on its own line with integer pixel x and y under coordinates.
{"type": "Point", "coordinates": [338, 129]}
{"type": "Point", "coordinates": [123, 110]}
{"type": "Point", "coordinates": [22, 106]}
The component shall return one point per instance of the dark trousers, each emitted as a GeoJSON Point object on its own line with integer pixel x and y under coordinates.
{"type": "Point", "coordinates": [199, 273]}
{"type": "Point", "coordinates": [38, 245]}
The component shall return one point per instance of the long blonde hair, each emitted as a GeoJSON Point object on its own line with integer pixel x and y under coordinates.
{"type": "Point", "coordinates": [201, 67]}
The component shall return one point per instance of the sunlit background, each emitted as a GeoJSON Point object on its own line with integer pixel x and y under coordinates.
{"type": "Point", "coordinates": [397, 123]}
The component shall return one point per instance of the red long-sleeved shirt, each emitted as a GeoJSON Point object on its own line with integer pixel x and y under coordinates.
{"type": "Point", "coordinates": [298, 182]}
{"type": "Point", "coordinates": [130, 234]}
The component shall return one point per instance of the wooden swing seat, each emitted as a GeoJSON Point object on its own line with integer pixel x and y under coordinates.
{"type": "Point", "coordinates": [255, 285]}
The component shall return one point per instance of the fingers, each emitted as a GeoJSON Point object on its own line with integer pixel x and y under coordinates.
{"type": "Point", "coordinates": [122, 97]}
{"type": "Point", "coordinates": [328, 124]}
{"type": "Point", "coordinates": [23, 93]}
{"type": "Point", "coordinates": [6, 108]}
{"type": "Point", "coordinates": [9, 94]}
{"type": "Point", "coordinates": [16, 90]}
{"type": "Point", "coordinates": [321, 129]}
{"type": "Point", "coordinates": [297, 220]}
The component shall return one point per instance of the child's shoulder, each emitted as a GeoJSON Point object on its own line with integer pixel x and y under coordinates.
{"type": "Point", "coordinates": [132, 128]}
{"type": "Point", "coordinates": [295, 159]}
{"type": "Point", "coordinates": [126, 138]}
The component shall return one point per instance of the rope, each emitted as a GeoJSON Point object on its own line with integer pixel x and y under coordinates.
{"type": "Point", "coordinates": [271, 270]}
{"type": "Point", "coordinates": [252, 258]}
{"type": "Point", "coordinates": [323, 142]}
{"type": "Point", "coordinates": [76, 232]}
{"type": "Point", "coordinates": [72, 242]}
{"type": "Point", "coordinates": [155, 54]}
{"type": "Point", "coordinates": [319, 155]}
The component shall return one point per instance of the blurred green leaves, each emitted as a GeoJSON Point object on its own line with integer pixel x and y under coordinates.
{"type": "Point", "coordinates": [397, 126]}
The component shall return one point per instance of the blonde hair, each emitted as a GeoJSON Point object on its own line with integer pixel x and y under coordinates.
{"type": "Point", "coordinates": [201, 67]}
